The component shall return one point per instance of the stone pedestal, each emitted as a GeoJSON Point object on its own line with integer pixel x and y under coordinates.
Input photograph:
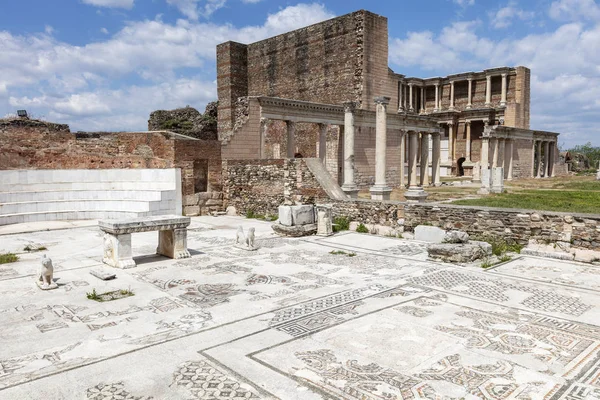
{"type": "Point", "coordinates": [351, 191]}
{"type": "Point", "coordinates": [173, 243]}
{"type": "Point", "coordinates": [324, 220]}
{"type": "Point", "coordinates": [486, 181]}
{"type": "Point", "coordinates": [415, 195]}
{"type": "Point", "coordinates": [497, 180]}
{"type": "Point", "coordinates": [117, 251]}
{"type": "Point", "coordinates": [477, 172]}
{"type": "Point", "coordinates": [380, 192]}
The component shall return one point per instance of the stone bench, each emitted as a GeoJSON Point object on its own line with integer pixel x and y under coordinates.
{"type": "Point", "coordinates": [172, 237]}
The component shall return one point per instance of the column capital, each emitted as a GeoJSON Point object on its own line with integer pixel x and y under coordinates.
{"type": "Point", "coordinates": [468, 122]}
{"type": "Point", "coordinates": [382, 100]}
{"type": "Point", "coordinates": [264, 121]}
{"type": "Point", "coordinates": [289, 122]}
{"type": "Point", "coordinates": [349, 106]}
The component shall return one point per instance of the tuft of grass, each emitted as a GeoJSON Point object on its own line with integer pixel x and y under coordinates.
{"type": "Point", "coordinates": [31, 248]}
{"type": "Point", "coordinates": [6, 258]}
{"type": "Point", "coordinates": [341, 223]}
{"type": "Point", "coordinates": [361, 228]}
{"type": "Point", "coordinates": [504, 258]}
{"type": "Point", "coordinates": [109, 296]}
{"type": "Point", "coordinates": [486, 264]}
{"type": "Point", "coordinates": [341, 252]}
{"type": "Point", "coordinates": [500, 245]}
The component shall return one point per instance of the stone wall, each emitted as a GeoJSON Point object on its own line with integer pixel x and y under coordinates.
{"type": "Point", "coordinates": [263, 185]}
{"type": "Point", "coordinates": [187, 121]}
{"type": "Point", "coordinates": [582, 230]}
{"type": "Point", "coordinates": [31, 144]}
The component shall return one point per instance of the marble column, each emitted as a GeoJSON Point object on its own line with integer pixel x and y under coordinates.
{"type": "Point", "coordinates": [435, 159]}
{"type": "Point", "coordinates": [291, 139]}
{"type": "Point", "coordinates": [509, 159]}
{"type": "Point", "coordinates": [410, 97]}
{"type": "Point", "coordinates": [503, 99]}
{"type": "Point", "coordinates": [488, 91]}
{"type": "Point", "coordinates": [451, 95]}
{"type": "Point", "coordinates": [470, 93]}
{"type": "Point", "coordinates": [494, 143]}
{"type": "Point", "coordinates": [500, 147]}
{"type": "Point", "coordinates": [451, 155]}
{"type": "Point", "coordinates": [437, 97]}
{"type": "Point", "coordinates": [485, 168]}
{"type": "Point", "coordinates": [323, 142]}
{"type": "Point", "coordinates": [380, 190]}
{"type": "Point", "coordinates": [424, 158]}
{"type": "Point", "coordinates": [349, 187]}
{"type": "Point", "coordinates": [546, 158]}
{"type": "Point", "coordinates": [402, 156]}
{"type": "Point", "coordinates": [263, 135]}
{"type": "Point", "coordinates": [468, 142]}
{"type": "Point", "coordinates": [415, 192]}
{"type": "Point", "coordinates": [538, 152]}
{"type": "Point", "coordinates": [400, 99]}
{"type": "Point", "coordinates": [422, 100]}
{"type": "Point", "coordinates": [553, 151]}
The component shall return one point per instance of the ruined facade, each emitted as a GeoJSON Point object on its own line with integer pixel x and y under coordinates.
{"type": "Point", "coordinates": [345, 60]}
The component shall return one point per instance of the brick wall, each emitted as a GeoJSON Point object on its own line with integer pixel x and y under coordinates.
{"type": "Point", "coordinates": [31, 144]}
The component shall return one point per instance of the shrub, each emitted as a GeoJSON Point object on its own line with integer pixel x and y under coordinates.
{"type": "Point", "coordinates": [8, 258]}
{"type": "Point", "coordinates": [341, 223]}
{"type": "Point", "coordinates": [361, 228]}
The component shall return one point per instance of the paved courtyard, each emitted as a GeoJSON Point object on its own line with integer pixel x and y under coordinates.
{"type": "Point", "coordinates": [294, 321]}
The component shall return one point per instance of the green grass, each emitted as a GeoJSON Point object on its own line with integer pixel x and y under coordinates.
{"type": "Point", "coordinates": [32, 248]}
{"type": "Point", "coordinates": [547, 200]}
{"type": "Point", "coordinates": [109, 296]}
{"type": "Point", "coordinates": [341, 252]}
{"type": "Point", "coordinates": [6, 258]}
{"type": "Point", "coordinates": [578, 185]}
{"type": "Point", "coordinates": [253, 215]}
{"type": "Point", "coordinates": [361, 228]}
{"type": "Point", "coordinates": [341, 223]}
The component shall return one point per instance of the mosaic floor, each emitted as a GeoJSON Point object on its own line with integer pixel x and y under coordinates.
{"type": "Point", "coordinates": [294, 321]}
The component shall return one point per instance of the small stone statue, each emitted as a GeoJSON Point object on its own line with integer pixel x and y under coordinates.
{"type": "Point", "coordinates": [250, 238]}
{"type": "Point", "coordinates": [44, 279]}
{"type": "Point", "coordinates": [245, 242]}
{"type": "Point", "coordinates": [240, 238]}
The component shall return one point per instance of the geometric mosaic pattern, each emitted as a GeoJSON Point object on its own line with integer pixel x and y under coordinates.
{"type": "Point", "coordinates": [114, 391]}
{"type": "Point", "coordinates": [205, 381]}
{"type": "Point", "coordinates": [495, 290]}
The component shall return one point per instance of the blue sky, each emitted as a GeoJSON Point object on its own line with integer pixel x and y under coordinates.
{"type": "Point", "coordinates": [106, 64]}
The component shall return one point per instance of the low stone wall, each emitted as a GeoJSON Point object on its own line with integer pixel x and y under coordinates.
{"type": "Point", "coordinates": [263, 185]}
{"type": "Point", "coordinates": [581, 230]}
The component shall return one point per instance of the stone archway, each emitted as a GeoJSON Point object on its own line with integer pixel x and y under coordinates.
{"type": "Point", "coordinates": [460, 169]}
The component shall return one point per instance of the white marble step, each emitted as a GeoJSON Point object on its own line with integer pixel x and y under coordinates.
{"type": "Point", "coordinates": [66, 215]}
{"type": "Point", "coordinates": [92, 186]}
{"type": "Point", "coordinates": [85, 175]}
{"type": "Point", "coordinates": [85, 205]}
{"type": "Point", "coordinates": [46, 195]}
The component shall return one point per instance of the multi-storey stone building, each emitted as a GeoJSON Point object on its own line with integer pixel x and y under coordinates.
{"type": "Point", "coordinates": [307, 75]}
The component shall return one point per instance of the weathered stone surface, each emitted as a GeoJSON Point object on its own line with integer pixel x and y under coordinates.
{"type": "Point", "coordinates": [324, 220]}
{"type": "Point", "coordinates": [459, 252]}
{"type": "Point", "coordinates": [296, 230]}
{"type": "Point", "coordinates": [303, 215]}
{"type": "Point", "coordinates": [430, 234]}
{"type": "Point", "coordinates": [187, 121]}
{"type": "Point", "coordinates": [285, 215]}
{"type": "Point", "coordinates": [456, 237]}
{"type": "Point", "coordinates": [102, 274]}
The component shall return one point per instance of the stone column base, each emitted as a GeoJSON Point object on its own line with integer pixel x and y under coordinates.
{"type": "Point", "coordinates": [173, 243]}
{"type": "Point", "coordinates": [380, 192]}
{"type": "Point", "coordinates": [351, 191]}
{"type": "Point", "coordinates": [415, 195]}
{"type": "Point", "coordinates": [117, 251]}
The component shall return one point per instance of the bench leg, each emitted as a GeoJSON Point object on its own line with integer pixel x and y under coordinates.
{"type": "Point", "coordinates": [117, 251]}
{"type": "Point", "coordinates": [173, 243]}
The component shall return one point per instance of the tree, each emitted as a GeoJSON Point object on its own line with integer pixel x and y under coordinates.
{"type": "Point", "coordinates": [591, 152]}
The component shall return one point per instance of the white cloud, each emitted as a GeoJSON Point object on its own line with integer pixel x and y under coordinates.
{"type": "Point", "coordinates": [251, 1]}
{"type": "Point", "coordinates": [574, 10]}
{"type": "Point", "coordinates": [128, 4]}
{"type": "Point", "coordinates": [464, 3]}
{"type": "Point", "coordinates": [75, 84]}
{"type": "Point", "coordinates": [104, 30]}
{"type": "Point", "coordinates": [192, 10]}
{"type": "Point", "coordinates": [505, 16]}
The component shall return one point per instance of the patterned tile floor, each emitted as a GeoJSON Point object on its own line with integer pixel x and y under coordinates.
{"type": "Point", "coordinates": [293, 321]}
